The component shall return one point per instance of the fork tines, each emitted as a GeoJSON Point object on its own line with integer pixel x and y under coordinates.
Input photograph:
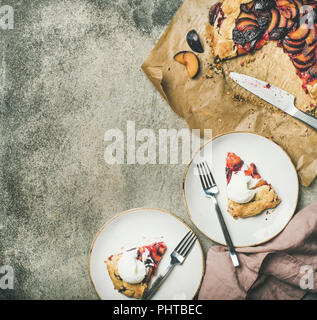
{"type": "Point", "coordinates": [186, 244]}
{"type": "Point", "coordinates": [205, 175]}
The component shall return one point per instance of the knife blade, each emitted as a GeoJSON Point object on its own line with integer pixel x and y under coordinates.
{"type": "Point", "coordinates": [273, 95]}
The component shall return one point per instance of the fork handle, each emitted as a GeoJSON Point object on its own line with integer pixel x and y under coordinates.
{"type": "Point", "coordinates": [158, 282]}
{"type": "Point", "coordinates": [232, 250]}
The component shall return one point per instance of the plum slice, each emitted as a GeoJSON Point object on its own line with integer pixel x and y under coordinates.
{"type": "Point", "coordinates": [295, 44]}
{"type": "Point", "coordinates": [299, 34]}
{"type": "Point", "coordinates": [244, 22]}
{"type": "Point", "coordinates": [190, 60]}
{"type": "Point", "coordinates": [304, 60]}
{"type": "Point", "coordinates": [250, 16]}
{"type": "Point", "coordinates": [305, 67]}
{"type": "Point", "coordinates": [288, 8]}
{"type": "Point", "coordinates": [193, 41]}
{"type": "Point", "coordinates": [275, 20]}
{"type": "Point", "coordinates": [291, 50]}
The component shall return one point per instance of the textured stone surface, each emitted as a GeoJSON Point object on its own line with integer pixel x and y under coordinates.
{"type": "Point", "coordinates": [69, 71]}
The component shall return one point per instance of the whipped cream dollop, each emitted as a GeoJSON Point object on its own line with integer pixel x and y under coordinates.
{"type": "Point", "coordinates": [240, 187]}
{"type": "Point", "coordinates": [131, 270]}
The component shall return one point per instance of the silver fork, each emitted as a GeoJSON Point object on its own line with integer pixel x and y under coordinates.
{"type": "Point", "coordinates": [211, 190]}
{"type": "Point", "coordinates": [178, 257]}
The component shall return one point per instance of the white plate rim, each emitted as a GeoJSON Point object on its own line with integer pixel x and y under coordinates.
{"type": "Point", "coordinates": [144, 209]}
{"type": "Point", "coordinates": [199, 151]}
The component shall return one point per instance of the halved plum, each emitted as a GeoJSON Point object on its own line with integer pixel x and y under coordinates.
{"type": "Point", "coordinates": [193, 41]}
{"type": "Point", "coordinates": [275, 20]}
{"type": "Point", "coordinates": [190, 60]}
{"type": "Point", "coordinates": [299, 34]}
{"type": "Point", "coordinates": [241, 51]}
{"type": "Point", "coordinates": [290, 24]}
{"type": "Point", "coordinates": [251, 46]}
{"type": "Point", "coordinates": [250, 15]}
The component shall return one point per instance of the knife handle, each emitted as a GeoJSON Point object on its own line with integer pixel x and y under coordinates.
{"type": "Point", "coordinates": [308, 119]}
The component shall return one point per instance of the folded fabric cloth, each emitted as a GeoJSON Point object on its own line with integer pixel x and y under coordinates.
{"type": "Point", "coordinates": [283, 269]}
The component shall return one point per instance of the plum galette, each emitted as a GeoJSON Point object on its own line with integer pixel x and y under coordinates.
{"type": "Point", "coordinates": [240, 27]}
{"type": "Point", "coordinates": [248, 194]}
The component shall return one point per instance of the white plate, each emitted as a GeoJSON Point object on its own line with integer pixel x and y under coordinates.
{"type": "Point", "coordinates": [139, 227]}
{"type": "Point", "coordinates": [273, 164]}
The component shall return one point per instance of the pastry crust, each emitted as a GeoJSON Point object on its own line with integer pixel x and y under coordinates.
{"type": "Point", "coordinates": [223, 44]}
{"type": "Point", "coordinates": [265, 199]}
{"type": "Point", "coordinates": [129, 290]}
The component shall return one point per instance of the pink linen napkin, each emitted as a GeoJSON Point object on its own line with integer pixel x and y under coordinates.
{"type": "Point", "coordinates": [283, 269]}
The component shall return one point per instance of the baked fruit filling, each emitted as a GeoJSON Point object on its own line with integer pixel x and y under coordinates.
{"type": "Point", "coordinates": [242, 27]}
{"type": "Point", "coordinates": [132, 271]}
{"type": "Point", "coordinates": [248, 194]}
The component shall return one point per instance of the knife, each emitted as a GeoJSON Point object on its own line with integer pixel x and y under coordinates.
{"type": "Point", "coordinates": [274, 95]}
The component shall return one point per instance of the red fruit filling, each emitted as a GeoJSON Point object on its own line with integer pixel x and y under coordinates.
{"type": "Point", "coordinates": [252, 172]}
{"type": "Point", "coordinates": [233, 164]}
{"type": "Point", "coordinates": [156, 252]}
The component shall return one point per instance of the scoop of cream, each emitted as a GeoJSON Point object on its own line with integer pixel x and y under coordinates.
{"type": "Point", "coordinates": [130, 269]}
{"type": "Point", "coordinates": [239, 188]}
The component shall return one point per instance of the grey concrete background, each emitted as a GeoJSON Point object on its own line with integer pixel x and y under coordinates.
{"type": "Point", "coordinates": [69, 71]}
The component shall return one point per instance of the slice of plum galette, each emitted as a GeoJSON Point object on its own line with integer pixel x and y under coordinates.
{"type": "Point", "coordinates": [132, 270]}
{"type": "Point", "coordinates": [248, 194]}
{"type": "Point", "coordinates": [240, 27]}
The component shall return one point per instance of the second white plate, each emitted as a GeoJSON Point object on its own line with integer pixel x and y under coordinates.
{"type": "Point", "coordinates": [273, 164]}
{"type": "Point", "coordinates": [138, 227]}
